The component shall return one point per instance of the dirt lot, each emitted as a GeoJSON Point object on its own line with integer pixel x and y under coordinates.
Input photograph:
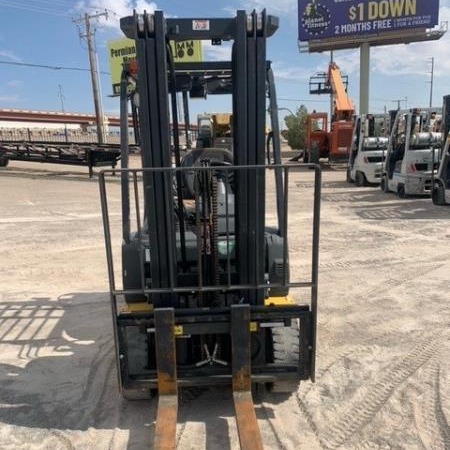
{"type": "Point", "coordinates": [383, 363]}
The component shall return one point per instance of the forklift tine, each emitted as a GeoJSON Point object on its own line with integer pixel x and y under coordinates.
{"type": "Point", "coordinates": [248, 430]}
{"type": "Point", "coordinates": [166, 417]}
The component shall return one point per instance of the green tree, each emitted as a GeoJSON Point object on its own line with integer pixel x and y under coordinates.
{"type": "Point", "coordinates": [296, 128]}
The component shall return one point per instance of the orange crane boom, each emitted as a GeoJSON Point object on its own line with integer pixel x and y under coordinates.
{"type": "Point", "coordinates": [343, 106]}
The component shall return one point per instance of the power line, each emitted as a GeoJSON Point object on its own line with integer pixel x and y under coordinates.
{"type": "Point", "coordinates": [64, 3]}
{"type": "Point", "coordinates": [35, 9]}
{"type": "Point", "coordinates": [45, 66]}
{"type": "Point", "coordinates": [302, 100]}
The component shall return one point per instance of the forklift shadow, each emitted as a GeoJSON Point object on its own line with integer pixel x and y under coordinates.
{"type": "Point", "coordinates": [209, 409]}
{"type": "Point", "coordinates": [411, 208]}
{"type": "Point", "coordinates": [58, 376]}
{"type": "Point", "coordinates": [373, 204]}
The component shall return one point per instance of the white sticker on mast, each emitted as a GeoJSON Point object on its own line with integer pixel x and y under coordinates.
{"type": "Point", "coordinates": [200, 25]}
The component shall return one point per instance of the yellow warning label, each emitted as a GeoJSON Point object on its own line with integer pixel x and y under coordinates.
{"type": "Point", "coordinates": [122, 50]}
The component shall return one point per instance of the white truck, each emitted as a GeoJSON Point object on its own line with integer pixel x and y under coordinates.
{"type": "Point", "coordinates": [412, 153]}
{"type": "Point", "coordinates": [368, 149]}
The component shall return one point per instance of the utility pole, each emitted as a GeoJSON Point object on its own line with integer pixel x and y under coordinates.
{"type": "Point", "coordinates": [61, 97]}
{"type": "Point", "coordinates": [89, 35]}
{"type": "Point", "coordinates": [399, 101]}
{"type": "Point", "coordinates": [431, 81]}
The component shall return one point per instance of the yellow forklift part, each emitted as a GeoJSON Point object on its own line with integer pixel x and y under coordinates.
{"type": "Point", "coordinates": [178, 330]}
{"type": "Point", "coordinates": [136, 308]}
{"type": "Point", "coordinates": [279, 301]}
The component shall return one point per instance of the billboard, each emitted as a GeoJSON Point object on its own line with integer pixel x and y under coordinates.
{"type": "Point", "coordinates": [325, 19]}
{"type": "Point", "coordinates": [122, 50]}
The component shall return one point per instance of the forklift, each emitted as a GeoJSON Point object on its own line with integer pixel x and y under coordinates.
{"type": "Point", "coordinates": [413, 148]}
{"type": "Point", "coordinates": [204, 291]}
{"type": "Point", "coordinates": [440, 193]}
{"type": "Point", "coordinates": [367, 151]}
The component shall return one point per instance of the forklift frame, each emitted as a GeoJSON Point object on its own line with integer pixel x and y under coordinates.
{"type": "Point", "coordinates": [167, 317]}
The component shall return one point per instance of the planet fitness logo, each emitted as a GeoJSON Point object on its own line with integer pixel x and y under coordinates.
{"type": "Point", "coordinates": [316, 18]}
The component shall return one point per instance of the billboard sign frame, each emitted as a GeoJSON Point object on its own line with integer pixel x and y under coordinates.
{"type": "Point", "coordinates": [340, 19]}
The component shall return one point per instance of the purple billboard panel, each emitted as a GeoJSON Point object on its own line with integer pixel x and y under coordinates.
{"type": "Point", "coordinates": [324, 19]}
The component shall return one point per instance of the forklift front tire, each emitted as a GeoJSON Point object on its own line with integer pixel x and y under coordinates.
{"type": "Point", "coordinates": [360, 179]}
{"type": "Point", "coordinates": [349, 178]}
{"type": "Point", "coordinates": [384, 184]}
{"type": "Point", "coordinates": [438, 195]}
{"type": "Point", "coordinates": [401, 191]}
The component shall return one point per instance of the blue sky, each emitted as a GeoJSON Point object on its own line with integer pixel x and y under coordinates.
{"type": "Point", "coordinates": [43, 32]}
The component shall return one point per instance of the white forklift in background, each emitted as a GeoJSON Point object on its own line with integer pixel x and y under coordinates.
{"type": "Point", "coordinates": [412, 153]}
{"type": "Point", "coordinates": [368, 149]}
{"type": "Point", "coordinates": [441, 182]}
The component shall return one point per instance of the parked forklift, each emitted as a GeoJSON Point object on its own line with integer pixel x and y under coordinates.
{"type": "Point", "coordinates": [205, 297]}
{"type": "Point", "coordinates": [369, 144]}
{"type": "Point", "coordinates": [441, 182]}
{"type": "Point", "coordinates": [412, 152]}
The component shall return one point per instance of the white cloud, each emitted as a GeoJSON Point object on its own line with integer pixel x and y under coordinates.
{"type": "Point", "coordinates": [115, 9]}
{"type": "Point", "coordinates": [10, 55]}
{"type": "Point", "coordinates": [216, 52]}
{"type": "Point", "coordinates": [282, 72]}
{"type": "Point", "coordinates": [278, 7]}
{"type": "Point", "coordinates": [14, 83]}
{"type": "Point", "coordinates": [9, 98]}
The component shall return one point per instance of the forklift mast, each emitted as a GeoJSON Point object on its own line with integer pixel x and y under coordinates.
{"type": "Point", "coordinates": [249, 32]}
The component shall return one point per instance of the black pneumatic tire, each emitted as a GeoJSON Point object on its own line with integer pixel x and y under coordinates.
{"type": "Point", "coordinates": [384, 184]}
{"type": "Point", "coordinates": [401, 191]}
{"type": "Point", "coordinates": [360, 179]}
{"type": "Point", "coordinates": [438, 195]}
{"type": "Point", "coordinates": [348, 177]}
{"type": "Point", "coordinates": [285, 350]}
{"type": "Point", "coordinates": [4, 161]}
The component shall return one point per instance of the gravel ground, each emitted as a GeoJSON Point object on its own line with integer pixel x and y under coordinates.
{"type": "Point", "coordinates": [383, 361]}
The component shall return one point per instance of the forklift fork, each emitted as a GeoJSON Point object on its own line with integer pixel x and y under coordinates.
{"type": "Point", "coordinates": [166, 363]}
{"type": "Point", "coordinates": [166, 418]}
{"type": "Point", "coordinates": [248, 430]}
